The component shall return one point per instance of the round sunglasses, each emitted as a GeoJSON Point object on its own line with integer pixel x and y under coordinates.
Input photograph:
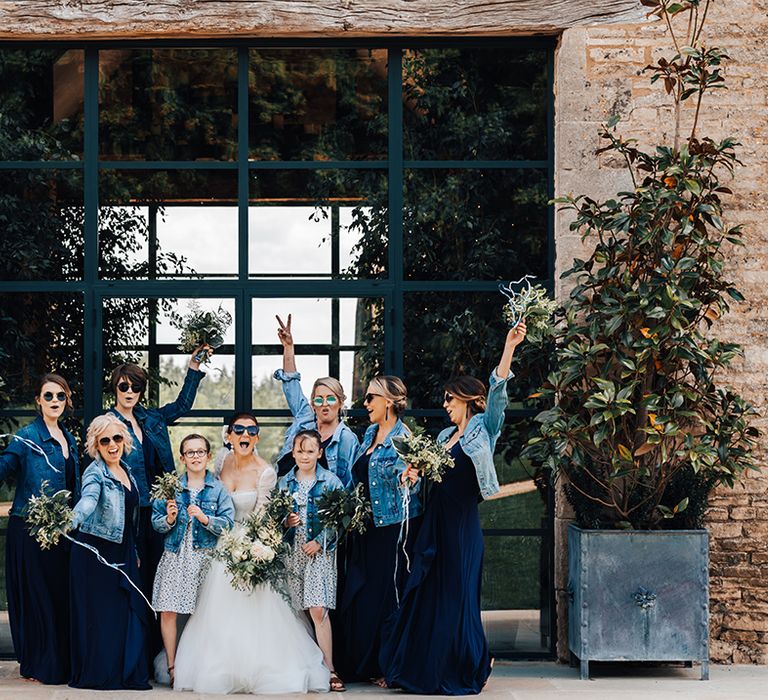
{"type": "Point", "coordinates": [135, 388]}
{"type": "Point", "coordinates": [320, 400]}
{"type": "Point", "coordinates": [59, 396]}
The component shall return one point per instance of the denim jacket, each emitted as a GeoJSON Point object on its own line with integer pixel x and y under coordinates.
{"type": "Point", "coordinates": [154, 424]}
{"type": "Point", "coordinates": [28, 468]}
{"type": "Point", "coordinates": [101, 508]}
{"type": "Point", "coordinates": [481, 434]}
{"type": "Point", "coordinates": [214, 500]}
{"type": "Point", "coordinates": [324, 481]}
{"type": "Point", "coordinates": [340, 453]}
{"type": "Point", "coordinates": [384, 470]}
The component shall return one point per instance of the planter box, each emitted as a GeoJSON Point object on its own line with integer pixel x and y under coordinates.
{"type": "Point", "coordinates": [638, 596]}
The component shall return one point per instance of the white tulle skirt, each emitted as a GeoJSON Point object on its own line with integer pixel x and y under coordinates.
{"type": "Point", "coordinates": [237, 642]}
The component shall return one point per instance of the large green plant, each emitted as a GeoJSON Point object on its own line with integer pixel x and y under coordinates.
{"type": "Point", "coordinates": [640, 430]}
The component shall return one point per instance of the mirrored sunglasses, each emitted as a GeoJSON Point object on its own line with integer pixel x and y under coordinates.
{"type": "Point", "coordinates": [320, 400]}
{"type": "Point", "coordinates": [252, 430]}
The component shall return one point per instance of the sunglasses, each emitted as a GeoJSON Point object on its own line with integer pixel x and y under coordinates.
{"type": "Point", "coordinates": [252, 430]}
{"type": "Point", "coordinates": [189, 454]}
{"type": "Point", "coordinates": [59, 396]}
{"type": "Point", "coordinates": [320, 400]}
{"type": "Point", "coordinates": [117, 439]}
{"type": "Point", "coordinates": [447, 398]}
{"type": "Point", "coordinates": [369, 397]}
{"type": "Point", "coordinates": [135, 388]}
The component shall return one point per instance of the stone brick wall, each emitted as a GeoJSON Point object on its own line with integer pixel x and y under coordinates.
{"type": "Point", "coordinates": [599, 72]}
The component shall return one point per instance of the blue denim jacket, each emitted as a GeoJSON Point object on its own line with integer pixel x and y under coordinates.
{"type": "Point", "coordinates": [384, 470]}
{"type": "Point", "coordinates": [154, 424]}
{"type": "Point", "coordinates": [28, 467]}
{"type": "Point", "coordinates": [481, 434]}
{"type": "Point", "coordinates": [101, 508]}
{"type": "Point", "coordinates": [214, 500]}
{"type": "Point", "coordinates": [324, 481]}
{"type": "Point", "coordinates": [341, 450]}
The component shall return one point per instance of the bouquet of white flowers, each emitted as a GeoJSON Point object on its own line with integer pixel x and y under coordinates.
{"type": "Point", "coordinates": [344, 511]}
{"type": "Point", "coordinates": [255, 553]}
{"type": "Point", "coordinates": [49, 517]}
{"type": "Point", "coordinates": [166, 486]}
{"type": "Point", "coordinates": [204, 327]}
{"type": "Point", "coordinates": [532, 304]}
{"type": "Point", "coordinates": [423, 453]}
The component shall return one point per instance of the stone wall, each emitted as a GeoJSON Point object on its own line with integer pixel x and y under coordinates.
{"type": "Point", "coordinates": [599, 72]}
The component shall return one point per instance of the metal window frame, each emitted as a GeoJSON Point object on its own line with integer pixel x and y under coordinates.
{"type": "Point", "coordinates": [391, 290]}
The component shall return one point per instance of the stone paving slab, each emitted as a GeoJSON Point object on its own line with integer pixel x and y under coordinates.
{"type": "Point", "coordinates": [510, 680]}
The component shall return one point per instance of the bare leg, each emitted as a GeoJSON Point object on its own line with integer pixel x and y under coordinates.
{"type": "Point", "coordinates": [168, 633]}
{"type": "Point", "coordinates": [322, 623]}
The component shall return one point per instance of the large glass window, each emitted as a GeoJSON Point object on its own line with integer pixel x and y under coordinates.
{"type": "Point", "coordinates": [377, 193]}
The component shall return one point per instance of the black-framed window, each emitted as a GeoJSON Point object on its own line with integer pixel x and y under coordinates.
{"type": "Point", "coordinates": [379, 191]}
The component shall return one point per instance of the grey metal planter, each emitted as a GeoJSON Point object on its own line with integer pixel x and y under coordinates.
{"type": "Point", "coordinates": [638, 595]}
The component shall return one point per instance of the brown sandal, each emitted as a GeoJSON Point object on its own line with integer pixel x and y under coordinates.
{"type": "Point", "coordinates": [171, 675]}
{"type": "Point", "coordinates": [337, 685]}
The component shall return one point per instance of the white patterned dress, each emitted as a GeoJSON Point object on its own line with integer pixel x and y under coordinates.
{"type": "Point", "coordinates": [312, 580]}
{"type": "Point", "coordinates": [179, 574]}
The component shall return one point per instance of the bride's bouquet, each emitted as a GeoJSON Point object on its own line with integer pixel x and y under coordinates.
{"type": "Point", "coordinates": [344, 511]}
{"type": "Point", "coordinates": [255, 553]}
{"type": "Point", "coordinates": [200, 327]}
{"type": "Point", "coordinates": [49, 517]}
{"type": "Point", "coordinates": [532, 304]}
{"type": "Point", "coordinates": [425, 454]}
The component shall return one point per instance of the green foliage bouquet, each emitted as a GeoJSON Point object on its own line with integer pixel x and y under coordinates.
{"type": "Point", "coordinates": [255, 553]}
{"type": "Point", "coordinates": [280, 506]}
{"type": "Point", "coordinates": [532, 304]}
{"type": "Point", "coordinates": [166, 487]}
{"type": "Point", "coordinates": [200, 327]}
{"type": "Point", "coordinates": [423, 453]}
{"type": "Point", "coordinates": [640, 431]}
{"type": "Point", "coordinates": [49, 517]}
{"type": "Point", "coordinates": [344, 511]}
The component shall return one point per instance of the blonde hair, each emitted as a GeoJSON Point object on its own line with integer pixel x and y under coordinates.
{"type": "Point", "coordinates": [333, 385]}
{"type": "Point", "coordinates": [100, 425]}
{"type": "Point", "coordinates": [392, 388]}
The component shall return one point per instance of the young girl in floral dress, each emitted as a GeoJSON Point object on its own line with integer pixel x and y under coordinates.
{"type": "Point", "coordinates": [312, 562]}
{"type": "Point", "coordinates": [192, 523]}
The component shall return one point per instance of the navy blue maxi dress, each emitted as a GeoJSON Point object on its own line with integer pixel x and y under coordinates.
{"type": "Point", "coordinates": [368, 597]}
{"type": "Point", "coordinates": [435, 643]}
{"type": "Point", "coordinates": [37, 582]}
{"type": "Point", "coordinates": [110, 619]}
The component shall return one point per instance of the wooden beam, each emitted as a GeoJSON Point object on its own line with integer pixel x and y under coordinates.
{"type": "Point", "coordinates": [140, 19]}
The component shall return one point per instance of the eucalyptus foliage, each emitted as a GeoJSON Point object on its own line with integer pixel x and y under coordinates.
{"type": "Point", "coordinates": [641, 430]}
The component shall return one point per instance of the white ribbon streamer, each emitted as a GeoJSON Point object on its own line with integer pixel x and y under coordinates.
{"type": "Point", "coordinates": [32, 446]}
{"type": "Point", "coordinates": [405, 504]}
{"type": "Point", "coordinates": [518, 300]}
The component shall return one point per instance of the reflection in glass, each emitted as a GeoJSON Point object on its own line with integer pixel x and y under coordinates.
{"type": "Point", "coordinates": [42, 224]}
{"type": "Point", "coordinates": [475, 104]}
{"type": "Point", "coordinates": [168, 104]}
{"type": "Point", "coordinates": [318, 104]}
{"type": "Point", "coordinates": [167, 224]}
{"type": "Point", "coordinates": [41, 332]}
{"type": "Point", "coordinates": [453, 333]}
{"type": "Point", "coordinates": [41, 93]}
{"type": "Point", "coordinates": [324, 223]}
{"type": "Point", "coordinates": [475, 224]}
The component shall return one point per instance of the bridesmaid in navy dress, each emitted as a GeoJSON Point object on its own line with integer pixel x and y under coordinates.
{"type": "Point", "coordinates": [37, 580]}
{"type": "Point", "coordinates": [368, 590]}
{"type": "Point", "coordinates": [435, 643]}
{"type": "Point", "coordinates": [110, 620]}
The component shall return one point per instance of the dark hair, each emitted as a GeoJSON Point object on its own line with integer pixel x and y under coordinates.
{"type": "Point", "coordinates": [194, 436]}
{"type": "Point", "coordinates": [303, 435]}
{"type": "Point", "coordinates": [133, 373]}
{"type": "Point", "coordinates": [468, 389]}
{"type": "Point", "coordinates": [56, 379]}
{"type": "Point", "coordinates": [237, 416]}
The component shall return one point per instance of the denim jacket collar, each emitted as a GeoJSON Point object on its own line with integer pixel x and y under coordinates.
{"type": "Point", "coordinates": [105, 469]}
{"type": "Point", "coordinates": [209, 480]}
{"type": "Point", "coordinates": [399, 428]}
{"type": "Point", "coordinates": [320, 474]}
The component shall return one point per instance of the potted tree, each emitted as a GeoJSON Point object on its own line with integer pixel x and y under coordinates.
{"type": "Point", "coordinates": [640, 431]}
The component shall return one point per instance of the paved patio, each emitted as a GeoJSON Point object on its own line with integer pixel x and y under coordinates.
{"type": "Point", "coordinates": [510, 680]}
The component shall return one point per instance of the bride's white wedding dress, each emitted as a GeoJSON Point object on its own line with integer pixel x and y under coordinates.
{"type": "Point", "coordinates": [238, 642]}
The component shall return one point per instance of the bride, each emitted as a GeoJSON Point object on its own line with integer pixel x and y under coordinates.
{"type": "Point", "coordinates": [246, 642]}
